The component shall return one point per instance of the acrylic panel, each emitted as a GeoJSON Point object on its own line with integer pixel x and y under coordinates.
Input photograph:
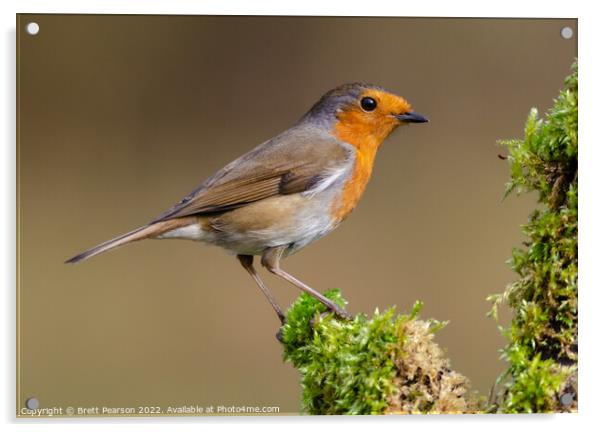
{"type": "Point", "coordinates": [120, 117]}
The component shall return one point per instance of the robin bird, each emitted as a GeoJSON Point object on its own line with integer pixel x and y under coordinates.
{"type": "Point", "coordinates": [289, 191]}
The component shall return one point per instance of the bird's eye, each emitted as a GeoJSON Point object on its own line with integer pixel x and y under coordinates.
{"type": "Point", "coordinates": [368, 104]}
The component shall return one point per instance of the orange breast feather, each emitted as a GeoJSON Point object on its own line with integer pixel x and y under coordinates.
{"type": "Point", "coordinates": [366, 143]}
{"type": "Point", "coordinates": [365, 131]}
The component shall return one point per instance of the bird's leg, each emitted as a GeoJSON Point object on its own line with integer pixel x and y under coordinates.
{"type": "Point", "coordinates": [271, 261]}
{"type": "Point", "coordinates": [247, 263]}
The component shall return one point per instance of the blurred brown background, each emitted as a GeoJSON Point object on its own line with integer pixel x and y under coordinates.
{"type": "Point", "coordinates": [121, 116]}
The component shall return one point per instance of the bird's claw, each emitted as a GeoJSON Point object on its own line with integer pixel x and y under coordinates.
{"type": "Point", "coordinates": [279, 336]}
{"type": "Point", "coordinates": [342, 313]}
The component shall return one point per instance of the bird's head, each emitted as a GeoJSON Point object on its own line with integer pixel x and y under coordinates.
{"type": "Point", "coordinates": [362, 114]}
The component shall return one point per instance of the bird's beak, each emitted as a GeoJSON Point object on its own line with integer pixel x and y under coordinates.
{"type": "Point", "coordinates": [411, 117]}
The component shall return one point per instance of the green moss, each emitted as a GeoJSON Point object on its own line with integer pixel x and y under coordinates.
{"type": "Point", "coordinates": [388, 363]}
{"type": "Point", "coordinates": [542, 338]}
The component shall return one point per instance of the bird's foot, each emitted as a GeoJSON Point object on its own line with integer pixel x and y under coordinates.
{"type": "Point", "coordinates": [342, 313]}
{"type": "Point", "coordinates": [282, 318]}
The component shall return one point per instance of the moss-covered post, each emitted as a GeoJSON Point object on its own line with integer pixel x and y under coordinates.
{"type": "Point", "coordinates": [542, 338]}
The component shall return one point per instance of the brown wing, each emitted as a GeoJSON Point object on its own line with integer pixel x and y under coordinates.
{"type": "Point", "coordinates": [292, 162]}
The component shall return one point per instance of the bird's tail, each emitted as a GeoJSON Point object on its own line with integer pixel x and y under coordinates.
{"type": "Point", "coordinates": [147, 231]}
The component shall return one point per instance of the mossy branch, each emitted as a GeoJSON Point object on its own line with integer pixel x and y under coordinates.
{"type": "Point", "coordinates": [385, 364]}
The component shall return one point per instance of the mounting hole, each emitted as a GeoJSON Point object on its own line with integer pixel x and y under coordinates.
{"type": "Point", "coordinates": [32, 28]}
{"type": "Point", "coordinates": [567, 399]}
{"type": "Point", "coordinates": [566, 32]}
{"type": "Point", "coordinates": [32, 403]}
